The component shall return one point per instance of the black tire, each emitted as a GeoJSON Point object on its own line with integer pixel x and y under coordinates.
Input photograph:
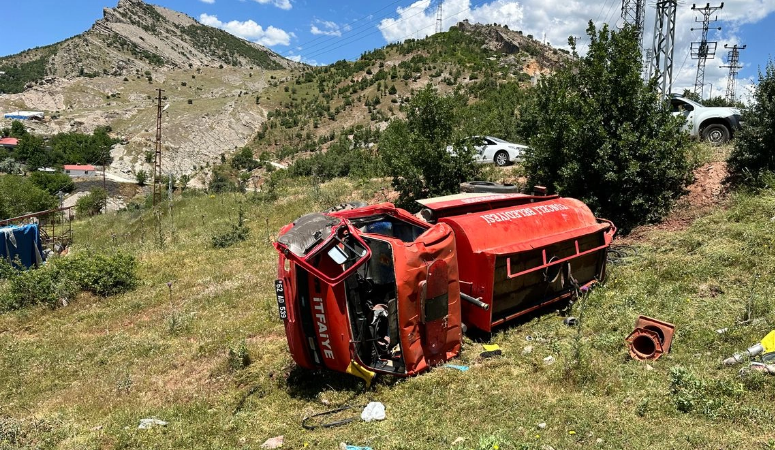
{"type": "Point", "coordinates": [501, 158]}
{"type": "Point", "coordinates": [716, 134]}
{"type": "Point", "coordinates": [488, 186]}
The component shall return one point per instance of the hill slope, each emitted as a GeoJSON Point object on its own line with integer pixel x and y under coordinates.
{"type": "Point", "coordinates": [131, 38]}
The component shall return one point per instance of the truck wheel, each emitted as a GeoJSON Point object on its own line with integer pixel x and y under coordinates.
{"type": "Point", "coordinates": [501, 158]}
{"type": "Point", "coordinates": [488, 186]}
{"type": "Point", "coordinates": [716, 134]}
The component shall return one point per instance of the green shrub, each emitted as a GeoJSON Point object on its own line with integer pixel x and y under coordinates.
{"type": "Point", "coordinates": [414, 150]}
{"type": "Point", "coordinates": [104, 275]}
{"type": "Point", "coordinates": [92, 203]}
{"type": "Point", "coordinates": [62, 278]}
{"type": "Point", "coordinates": [239, 358]}
{"type": "Point", "coordinates": [237, 233]}
{"type": "Point", "coordinates": [19, 195]}
{"type": "Point", "coordinates": [753, 158]}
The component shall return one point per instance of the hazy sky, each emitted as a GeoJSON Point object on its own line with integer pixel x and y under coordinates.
{"type": "Point", "coordinates": [318, 32]}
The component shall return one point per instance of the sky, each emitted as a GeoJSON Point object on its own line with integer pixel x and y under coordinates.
{"type": "Point", "coordinates": [319, 33]}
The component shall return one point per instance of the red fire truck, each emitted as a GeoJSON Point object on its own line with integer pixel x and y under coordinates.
{"type": "Point", "coordinates": [376, 289]}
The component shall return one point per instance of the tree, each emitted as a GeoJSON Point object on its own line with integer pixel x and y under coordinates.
{"type": "Point", "coordinates": [599, 134]}
{"type": "Point", "coordinates": [243, 159]}
{"type": "Point", "coordinates": [53, 182]}
{"type": "Point", "coordinates": [184, 179]}
{"type": "Point", "coordinates": [753, 159]}
{"type": "Point", "coordinates": [142, 177]}
{"type": "Point", "coordinates": [414, 150]}
{"type": "Point", "coordinates": [92, 203]}
{"type": "Point", "coordinates": [19, 195]}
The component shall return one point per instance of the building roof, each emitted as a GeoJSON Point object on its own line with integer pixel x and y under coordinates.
{"type": "Point", "coordinates": [78, 167]}
{"type": "Point", "coordinates": [24, 115]}
{"type": "Point", "coordinates": [9, 142]}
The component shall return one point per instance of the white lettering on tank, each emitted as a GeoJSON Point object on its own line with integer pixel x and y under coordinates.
{"type": "Point", "coordinates": [513, 214]}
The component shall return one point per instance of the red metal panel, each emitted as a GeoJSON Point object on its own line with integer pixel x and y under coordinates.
{"type": "Point", "coordinates": [518, 228]}
{"type": "Point", "coordinates": [412, 262]}
{"type": "Point", "coordinates": [483, 236]}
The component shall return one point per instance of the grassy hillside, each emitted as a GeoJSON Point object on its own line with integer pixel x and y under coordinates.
{"type": "Point", "coordinates": [82, 376]}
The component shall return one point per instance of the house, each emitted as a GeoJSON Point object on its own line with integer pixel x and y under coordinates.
{"type": "Point", "coordinates": [9, 142]}
{"type": "Point", "coordinates": [24, 115]}
{"type": "Point", "coordinates": [75, 170]}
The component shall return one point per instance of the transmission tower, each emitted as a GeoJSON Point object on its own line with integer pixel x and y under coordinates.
{"type": "Point", "coordinates": [157, 183]}
{"type": "Point", "coordinates": [704, 50]}
{"type": "Point", "coordinates": [634, 13]}
{"type": "Point", "coordinates": [439, 17]}
{"type": "Point", "coordinates": [733, 63]}
{"type": "Point", "coordinates": [664, 45]}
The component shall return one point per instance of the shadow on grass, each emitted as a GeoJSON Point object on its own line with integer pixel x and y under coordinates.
{"type": "Point", "coordinates": [307, 384]}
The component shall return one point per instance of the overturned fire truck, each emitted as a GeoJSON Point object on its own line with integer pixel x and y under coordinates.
{"type": "Point", "coordinates": [376, 289]}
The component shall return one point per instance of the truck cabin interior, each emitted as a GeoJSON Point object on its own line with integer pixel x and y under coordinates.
{"type": "Point", "coordinates": [371, 293]}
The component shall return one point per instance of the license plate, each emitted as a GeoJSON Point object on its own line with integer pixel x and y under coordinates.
{"type": "Point", "coordinates": [279, 289]}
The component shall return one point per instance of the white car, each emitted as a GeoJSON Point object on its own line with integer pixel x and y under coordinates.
{"type": "Point", "coordinates": [493, 150]}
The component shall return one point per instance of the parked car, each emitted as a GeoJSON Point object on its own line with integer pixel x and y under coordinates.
{"type": "Point", "coordinates": [493, 150]}
{"type": "Point", "coordinates": [715, 124]}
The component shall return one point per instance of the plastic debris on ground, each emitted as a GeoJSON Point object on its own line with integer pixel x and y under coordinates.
{"type": "Point", "coordinates": [765, 348]}
{"type": "Point", "coordinates": [570, 321]}
{"type": "Point", "coordinates": [491, 350]}
{"type": "Point", "coordinates": [456, 367]}
{"type": "Point", "coordinates": [344, 446]}
{"type": "Point", "coordinates": [549, 360]}
{"type": "Point", "coordinates": [275, 442]}
{"type": "Point", "coordinates": [150, 423]}
{"type": "Point", "coordinates": [373, 411]}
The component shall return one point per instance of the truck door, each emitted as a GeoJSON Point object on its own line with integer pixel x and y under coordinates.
{"type": "Point", "coordinates": [428, 299]}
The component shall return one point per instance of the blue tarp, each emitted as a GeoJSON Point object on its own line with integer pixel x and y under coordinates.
{"type": "Point", "coordinates": [22, 241]}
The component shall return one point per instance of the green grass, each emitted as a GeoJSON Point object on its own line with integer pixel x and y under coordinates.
{"type": "Point", "coordinates": [83, 376]}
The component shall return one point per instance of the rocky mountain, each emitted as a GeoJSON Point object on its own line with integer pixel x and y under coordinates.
{"type": "Point", "coordinates": [225, 93]}
{"type": "Point", "coordinates": [132, 38]}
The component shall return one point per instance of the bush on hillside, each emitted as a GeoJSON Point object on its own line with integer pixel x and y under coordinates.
{"type": "Point", "coordinates": [235, 234]}
{"type": "Point", "coordinates": [599, 134]}
{"type": "Point", "coordinates": [753, 158]}
{"type": "Point", "coordinates": [62, 278]}
{"type": "Point", "coordinates": [92, 203]}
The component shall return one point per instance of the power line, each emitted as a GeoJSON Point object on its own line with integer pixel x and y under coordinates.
{"type": "Point", "coordinates": [364, 33]}
{"type": "Point", "coordinates": [367, 16]}
{"type": "Point", "coordinates": [733, 63]}
{"type": "Point", "coordinates": [704, 50]}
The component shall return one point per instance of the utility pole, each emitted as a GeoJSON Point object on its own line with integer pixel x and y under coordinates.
{"type": "Point", "coordinates": [704, 50]}
{"type": "Point", "coordinates": [439, 17]}
{"type": "Point", "coordinates": [157, 185]}
{"type": "Point", "coordinates": [733, 64]}
{"type": "Point", "coordinates": [664, 45]}
{"type": "Point", "coordinates": [647, 64]}
{"type": "Point", "coordinates": [634, 13]}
